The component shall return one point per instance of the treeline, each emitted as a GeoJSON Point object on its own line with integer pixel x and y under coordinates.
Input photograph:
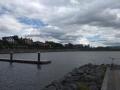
{"type": "Point", "coordinates": [14, 42]}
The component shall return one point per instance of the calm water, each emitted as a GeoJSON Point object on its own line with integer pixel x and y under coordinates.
{"type": "Point", "coordinates": [30, 77]}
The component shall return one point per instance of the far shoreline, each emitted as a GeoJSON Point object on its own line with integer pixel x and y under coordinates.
{"type": "Point", "coordinates": [7, 51]}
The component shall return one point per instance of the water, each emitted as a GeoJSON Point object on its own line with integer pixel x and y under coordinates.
{"type": "Point", "coordinates": [29, 77]}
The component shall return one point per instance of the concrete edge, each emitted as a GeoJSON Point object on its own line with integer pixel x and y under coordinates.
{"type": "Point", "coordinates": [105, 81]}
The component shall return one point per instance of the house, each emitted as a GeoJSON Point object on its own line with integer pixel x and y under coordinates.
{"type": "Point", "coordinates": [28, 41]}
{"type": "Point", "coordinates": [9, 39]}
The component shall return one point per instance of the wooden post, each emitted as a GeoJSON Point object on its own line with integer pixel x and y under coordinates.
{"type": "Point", "coordinates": [38, 58]}
{"type": "Point", "coordinates": [11, 56]}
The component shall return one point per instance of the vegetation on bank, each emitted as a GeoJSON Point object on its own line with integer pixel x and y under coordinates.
{"type": "Point", "coordinates": [14, 42]}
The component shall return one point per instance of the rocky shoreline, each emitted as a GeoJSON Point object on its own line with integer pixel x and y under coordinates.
{"type": "Point", "coordinates": [87, 77]}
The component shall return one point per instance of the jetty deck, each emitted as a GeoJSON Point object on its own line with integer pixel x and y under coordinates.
{"type": "Point", "coordinates": [39, 61]}
{"type": "Point", "coordinates": [26, 61]}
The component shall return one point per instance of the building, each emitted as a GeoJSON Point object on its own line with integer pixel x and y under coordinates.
{"type": "Point", "coordinates": [9, 39]}
{"type": "Point", "coordinates": [28, 41]}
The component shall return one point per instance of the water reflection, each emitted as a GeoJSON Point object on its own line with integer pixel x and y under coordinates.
{"type": "Point", "coordinates": [11, 64]}
{"type": "Point", "coordinates": [38, 66]}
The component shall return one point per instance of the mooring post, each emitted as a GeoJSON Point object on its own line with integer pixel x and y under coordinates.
{"type": "Point", "coordinates": [38, 58]}
{"type": "Point", "coordinates": [11, 56]}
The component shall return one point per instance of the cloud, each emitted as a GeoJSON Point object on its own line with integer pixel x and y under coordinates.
{"type": "Point", "coordinates": [9, 25]}
{"type": "Point", "coordinates": [76, 21]}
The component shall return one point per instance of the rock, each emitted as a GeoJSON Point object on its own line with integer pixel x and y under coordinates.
{"type": "Point", "coordinates": [50, 88]}
{"type": "Point", "coordinates": [90, 75]}
{"type": "Point", "coordinates": [93, 87]}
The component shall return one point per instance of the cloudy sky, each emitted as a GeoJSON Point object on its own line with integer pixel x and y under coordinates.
{"type": "Point", "coordinates": [94, 22]}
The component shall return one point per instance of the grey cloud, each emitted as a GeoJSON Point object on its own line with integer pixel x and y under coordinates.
{"type": "Point", "coordinates": [67, 18]}
{"type": "Point", "coordinates": [117, 35]}
{"type": "Point", "coordinates": [55, 2]}
{"type": "Point", "coordinates": [97, 14]}
{"type": "Point", "coordinates": [112, 43]}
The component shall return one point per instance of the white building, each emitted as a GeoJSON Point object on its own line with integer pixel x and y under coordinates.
{"type": "Point", "coordinates": [9, 39]}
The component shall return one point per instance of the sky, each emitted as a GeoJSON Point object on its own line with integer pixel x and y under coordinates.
{"type": "Point", "coordinates": [94, 22]}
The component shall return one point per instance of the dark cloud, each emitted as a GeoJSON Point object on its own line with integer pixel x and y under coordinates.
{"type": "Point", "coordinates": [96, 13]}
{"type": "Point", "coordinates": [99, 18]}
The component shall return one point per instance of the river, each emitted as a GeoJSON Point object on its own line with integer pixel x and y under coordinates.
{"type": "Point", "coordinates": [18, 76]}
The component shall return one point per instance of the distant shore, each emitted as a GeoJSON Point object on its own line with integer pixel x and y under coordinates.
{"type": "Point", "coordinates": [6, 51]}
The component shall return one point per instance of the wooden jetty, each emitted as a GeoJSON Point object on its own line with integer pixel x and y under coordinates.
{"type": "Point", "coordinates": [11, 60]}
{"type": "Point", "coordinates": [25, 61]}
